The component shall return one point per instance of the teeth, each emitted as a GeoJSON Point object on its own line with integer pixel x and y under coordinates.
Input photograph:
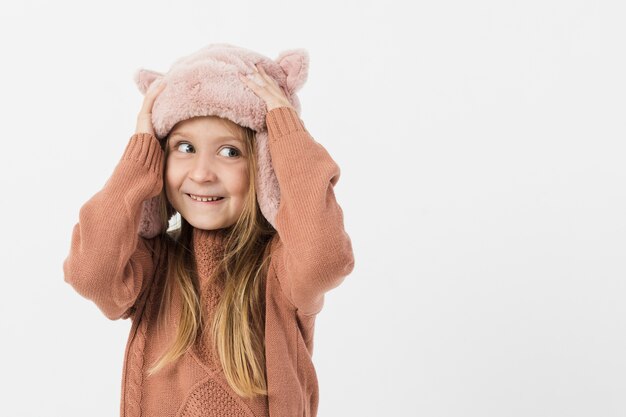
{"type": "Point", "coordinates": [203, 198]}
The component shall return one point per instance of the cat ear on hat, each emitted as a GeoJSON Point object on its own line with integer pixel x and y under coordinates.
{"type": "Point", "coordinates": [144, 78]}
{"type": "Point", "coordinates": [295, 64]}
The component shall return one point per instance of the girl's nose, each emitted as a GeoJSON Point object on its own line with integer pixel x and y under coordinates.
{"type": "Point", "coordinates": [203, 170]}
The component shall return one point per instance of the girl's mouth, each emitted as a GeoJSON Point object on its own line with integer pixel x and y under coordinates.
{"type": "Point", "coordinates": [198, 201]}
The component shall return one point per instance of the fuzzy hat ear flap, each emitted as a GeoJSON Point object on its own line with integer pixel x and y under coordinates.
{"type": "Point", "coordinates": [206, 83]}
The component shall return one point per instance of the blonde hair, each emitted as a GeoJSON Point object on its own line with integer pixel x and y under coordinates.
{"type": "Point", "coordinates": [238, 326]}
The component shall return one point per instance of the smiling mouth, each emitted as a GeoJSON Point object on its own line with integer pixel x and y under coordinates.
{"type": "Point", "coordinates": [200, 199]}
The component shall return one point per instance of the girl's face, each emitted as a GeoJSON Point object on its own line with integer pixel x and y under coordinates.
{"type": "Point", "coordinates": [206, 159]}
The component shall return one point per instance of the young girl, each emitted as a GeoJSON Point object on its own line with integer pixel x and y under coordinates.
{"type": "Point", "coordinates": [223, 307]}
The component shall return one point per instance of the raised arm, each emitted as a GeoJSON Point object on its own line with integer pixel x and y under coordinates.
{"type": "Point", "coordinates": [314, 252]}
{"type": "Point", "coordinates": [109, 262]}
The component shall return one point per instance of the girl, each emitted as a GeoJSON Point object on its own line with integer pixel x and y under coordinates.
{"type": "Point", "coordinates": [222, 307]}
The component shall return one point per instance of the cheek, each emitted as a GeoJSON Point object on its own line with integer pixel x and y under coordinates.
{"type": "Point", "coordinates": [171, 179]}
{"type": "Point", "coordinates": [243, 182]}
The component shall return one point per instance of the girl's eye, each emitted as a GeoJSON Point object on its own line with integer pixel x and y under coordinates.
{"type": "Point", "coordinates": [181, 143]}
{"type": "Point", "coordinates": [237, 153]}
{"type": "Point", "coordinates": [230, 147]}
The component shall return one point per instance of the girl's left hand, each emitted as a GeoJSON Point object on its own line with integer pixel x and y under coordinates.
{"type": "Point", "coordinates": [266, 88]}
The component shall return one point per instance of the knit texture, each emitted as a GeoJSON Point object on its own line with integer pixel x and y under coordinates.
{"type": "Point", "coordinates": [123, 273]}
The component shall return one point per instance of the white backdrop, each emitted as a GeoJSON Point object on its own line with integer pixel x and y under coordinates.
{"type": "Point", "coordinates": [481, 147]}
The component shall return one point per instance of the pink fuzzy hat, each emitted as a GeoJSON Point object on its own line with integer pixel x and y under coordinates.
{"type": "Point", "coordinates": [206, 83]}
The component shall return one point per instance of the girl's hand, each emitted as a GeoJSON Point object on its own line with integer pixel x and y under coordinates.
{"type": "Point", "coordinates": [144, 119]}
{"type": "Point", "coordinates": [266, 87]}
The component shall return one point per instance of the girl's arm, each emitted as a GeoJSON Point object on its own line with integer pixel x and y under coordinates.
{"type": "Point", "coordinates": [315, 252]}
{"type": "Point", "coordinates": [109, 262]}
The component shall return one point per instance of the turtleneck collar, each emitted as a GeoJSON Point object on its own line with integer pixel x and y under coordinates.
{"type": "Point", "coordinates": [208, 248]}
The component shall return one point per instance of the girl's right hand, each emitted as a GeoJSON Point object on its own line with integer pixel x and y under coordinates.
{"type": "Point", "coordinates": [144, 119]}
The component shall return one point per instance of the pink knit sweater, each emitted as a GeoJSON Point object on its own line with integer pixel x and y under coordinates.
{"type": "Point", "coordinates": [311, 254]}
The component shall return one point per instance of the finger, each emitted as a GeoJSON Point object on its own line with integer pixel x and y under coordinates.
{"type": "Point", "coordinates": [260, 80]}
{"type": "Point", "coordinates": [151, 96]}
{"type": "Point", "coordinates": [250, 83]}
{"type": "Point", "coordinates": [257, 78]}
{"type": "Point", "coordinates": [146, 107]}
{"type": "Point", "coordinates": [156, 87]}
{"type": "Point", "coordinates": [269, 79]}
{"type": "Point", "coordinates": [243, 78]}
{"type": "Point", "coordinates": [260, 70]}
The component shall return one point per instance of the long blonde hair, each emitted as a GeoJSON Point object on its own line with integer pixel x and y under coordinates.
{"type": "Point", "coordinates": [238, 326]}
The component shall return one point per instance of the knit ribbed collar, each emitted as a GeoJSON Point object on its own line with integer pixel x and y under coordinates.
{"type": "Point", "coordinates": [208, 248]}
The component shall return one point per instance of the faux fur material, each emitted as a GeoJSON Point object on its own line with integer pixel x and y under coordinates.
{"type": "Point", "coordinates": [206, 83]}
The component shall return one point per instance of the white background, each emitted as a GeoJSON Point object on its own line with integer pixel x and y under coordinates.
{"type": "Point", "coordinates": [481, 147]}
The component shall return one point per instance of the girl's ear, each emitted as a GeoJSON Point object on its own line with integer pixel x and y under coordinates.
{"type": "Point", "coordinates": [144, 77]}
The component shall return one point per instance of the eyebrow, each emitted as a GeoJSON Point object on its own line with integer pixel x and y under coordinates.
{"type": "Point", "coordinates": [217, 138]}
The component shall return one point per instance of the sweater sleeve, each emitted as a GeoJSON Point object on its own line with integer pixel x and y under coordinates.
{"type": "Point", "coordinates": [314, 251]}
{"type": "Point", "coordinates": [109, 262]}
